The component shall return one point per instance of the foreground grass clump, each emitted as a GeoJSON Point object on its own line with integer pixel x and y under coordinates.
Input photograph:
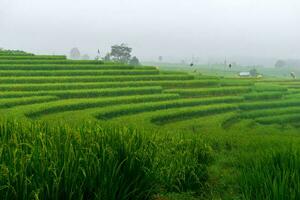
{"type": "Point", "coordinates": [273, 175]}
{"type": "Point", "coordinates": [38, 161]}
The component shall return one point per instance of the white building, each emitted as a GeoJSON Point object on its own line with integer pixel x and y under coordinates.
{"type": "Point", "coordinates": [244, 74]}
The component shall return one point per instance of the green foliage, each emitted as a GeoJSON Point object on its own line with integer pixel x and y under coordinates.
{"type": "Point", "coordinates": [210, 91]}
{"type": "Point", "coordinates": [268, 87]}
{"type": "Point", "coordinates": [264, 95]}
{"type": "Point", "coordinates": [69, 79]}
{"type": "Point", "coordinates": [188, 113]}
{"type": "Point", "coordinates": [4, 52]}
{"type": "Point", "coordinates": [262, 113]}
{"type": "Point", "coordinates": [121, 53]}
{"type": "Point", "coordinates": [42, 162]}
{"type": "Point", "coordinates": [11, 102]}
{"type": "Point", "coordinates": [134, 61]}
{"type": "Point", "coordinates": [84, 93]}
{"type": "Point", "coordinates": [184, 164]}
{"type": "Point", "coordinates": [4, 73]}
{"type": "Point", "coordinates": [235, 116]}
{"type": "Point", "coordinates": [81, 104]}
{"type": "Point", "coordinates": [271, 175]}
{"type": "Point", "coordinates": [283, 119]}
{"type": "Point", "coordinates": [163, 105]}
{"type": "Point", "coordinates": [66, 67]}
{"type": "Point", "coordinates": [269, 105]}
{"type": "Point", "coordinates": [69, 62]}
{"type": "Point", "coordinates": [90, 162]}
{"type": "Point", "coordinates": [94, 85]}
{"type": "Point", "coordinates": [34, 57]}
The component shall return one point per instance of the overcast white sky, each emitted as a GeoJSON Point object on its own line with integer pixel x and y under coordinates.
{"type": "Point", "coordinates": [172, 28]}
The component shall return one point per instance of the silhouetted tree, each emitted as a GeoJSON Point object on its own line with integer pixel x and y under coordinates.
{"type": "Point", "coordinates": [253, 72]}
{"type": "Point", "coordinates": [160, 58]}
{"type": "Point", "coordinates": [107, 57]}
{"type": "Point", "coordinates": [75, 54]}
{"type": "Point", "coordinates": [134, 61]}
{"type": "Point", "coordinates": [121, 53]}
{"type": "Point", "coordinates": [293, 75]}
{"type": "Point", "coordinates": [280, 63]}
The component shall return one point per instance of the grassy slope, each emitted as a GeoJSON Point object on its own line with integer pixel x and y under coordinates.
{"type": "Point", "coordinates": [231, 144]}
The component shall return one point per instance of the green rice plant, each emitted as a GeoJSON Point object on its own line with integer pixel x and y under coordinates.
{"type": "Point", "coordinates": [81, 104]}
{"type": "Point", "coordinates": [93, 85]}
{"type": "Point", "coordinates": [292, 85]}
{"type": "Point", "coordinates": [68, 67]}
{"type": "Point", "coordinates": [269, 105]}
{"type": "Point", "coordinates": [188, 113]}
{"type": "Point", "coordinates": [288, 82]}
{"type": "Point", "coordinates": [273, 87]}
{"type": "Point", "coordinates": [276, 80]}
{"type": "Point", "coordinates": [280, 119]}
{"type": "Point", "coordinates": [269, 112]}
{"type": "Point", "coordinates": [70, 62]}
{"type": "Point", "coordinates": [210, 91]}
{"type": "Point", "coordinates": [41, 161]}
{"type": "Point", "coordinates": [182, 164]}
{"type": "Point", "coordinates": [34, 57]}
{"type": "Point", "coordinates": [189, 83]}
{"type": "Point", "coordinates": [229, 82]}
{"type": "Point", "coordinates": [71, 67]}
{"type": "Point", "coordinates": [293, 94]}
{"type": "Point", "coordinates": [264, 95]}
{"type": "Point", "coordinates": [123, 110]}
{"type": "Point", "coordinates": [143, 67]}
{"type": "Point", "coordinates": [46, 162]}
{"type": "Point", "coordinates": [207, 77]}
{"type": "Point", "coordinates": [271, 175]}
{"type": "Point", "coordinates": [12, 102]}
{"type": "Point", "coordinates": [84, 93]}
{"type": "Point", "coordinates": [75, 86]}
{"type": "Point", "coordinates": [70, 79]}
{"type": "Point", "coordinates": [17, 73]}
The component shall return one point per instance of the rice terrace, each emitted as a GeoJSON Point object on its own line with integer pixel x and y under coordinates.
{"type": "Point", "coordinates": [149, 100]}
{"type": "Point", "coordinates": [202, 131]}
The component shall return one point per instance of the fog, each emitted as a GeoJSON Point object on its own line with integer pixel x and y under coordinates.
{"type": "Point", "coordinates": [175, 29]}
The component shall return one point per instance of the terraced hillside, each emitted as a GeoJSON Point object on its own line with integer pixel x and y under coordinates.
{"type": "Point", "coordinates": [54, 88]}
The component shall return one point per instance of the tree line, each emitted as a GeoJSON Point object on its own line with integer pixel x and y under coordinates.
{"type": "Point", "coordinates": [119, 53]}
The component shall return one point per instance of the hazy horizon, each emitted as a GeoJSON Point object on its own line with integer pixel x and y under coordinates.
{"type": "Point", "coordinates": [174, 29]}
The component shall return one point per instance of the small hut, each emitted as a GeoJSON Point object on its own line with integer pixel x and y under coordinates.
{"type": "Point", "coordinates": [244, 74]}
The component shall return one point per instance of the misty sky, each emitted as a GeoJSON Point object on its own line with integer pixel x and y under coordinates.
{"type": "Point", "coordinates": [172, 28]}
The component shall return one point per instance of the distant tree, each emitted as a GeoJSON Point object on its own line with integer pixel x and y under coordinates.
{"type": "Point", "coordinates": [280, 63]}
{"type": "Point", "coordinates": [85, 57]}
{"type": "Point", "coordinates": [121, 53]}
{"type": "Point", "coordinates": [253, 72]}
{"type": "Point", "coordinates": [160, 58]}
{"type": "Point", "coordinates": [293, 75]}
{"type": "Point", "coordinates": [98, 57]}
{"type": "Point", "coordinates": [134, 61]}
{"type": "Point", "coordinates": [75, 54]}
{"type": "Point", "coordinates": [14, 51]}
{"type": "Point", "coordinates": [107, 57]}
